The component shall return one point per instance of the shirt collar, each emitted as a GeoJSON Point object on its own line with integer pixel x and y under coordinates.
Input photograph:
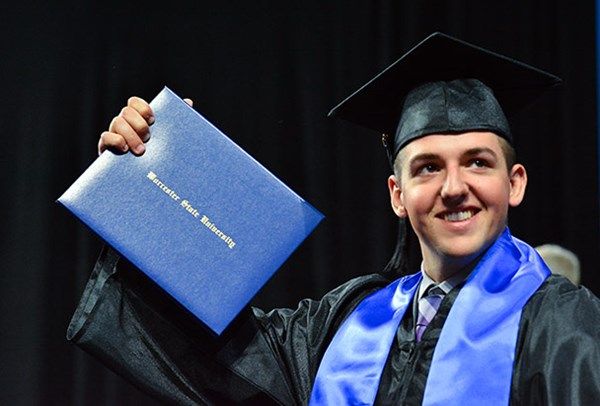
{"type": "Point", "coordinates": [446, 285]}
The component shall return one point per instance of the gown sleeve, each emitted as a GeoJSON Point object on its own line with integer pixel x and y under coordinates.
{"type": "Point", "coordinates": [559, 347]}
{"type": "Point", "coordinates": [140, 332]}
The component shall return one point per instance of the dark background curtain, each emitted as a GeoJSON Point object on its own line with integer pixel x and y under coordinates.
{"type": "Point", "coordinates": [266, 73]}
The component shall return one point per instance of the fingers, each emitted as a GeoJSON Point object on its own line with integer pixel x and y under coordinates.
{"type": "Point", "coordinates": [135, 121]}
{"type": "Point", "coordinates": [124, 128]}
{"type": "Point", "coordinates": [112, 141]}
{"type": "Point", "coordinates": [142, 107]}
{"type": "Point", "coordinates": [130, 129]}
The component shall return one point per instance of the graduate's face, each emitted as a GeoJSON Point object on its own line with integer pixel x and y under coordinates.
{"type": "Point", "coordinates": [455, 190]}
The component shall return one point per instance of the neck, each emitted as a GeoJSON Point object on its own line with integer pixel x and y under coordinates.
{"type": "Point", "coordinates": [440, 270]}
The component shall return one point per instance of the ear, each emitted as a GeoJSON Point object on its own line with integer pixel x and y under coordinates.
{"type": "Point", "coordinates": [518, 183]}
{"type": "Point", "coordinates": [396, 196]}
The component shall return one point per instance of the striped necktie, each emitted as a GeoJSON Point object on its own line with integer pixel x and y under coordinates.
{"type": "Point", "coordinates": [428, 307]}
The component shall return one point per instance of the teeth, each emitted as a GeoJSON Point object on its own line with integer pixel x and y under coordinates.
{"type": "Point", "coordinates": [459, 216]}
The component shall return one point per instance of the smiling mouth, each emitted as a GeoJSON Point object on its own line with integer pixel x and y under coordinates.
{"type": "Point", "coordinates": [457, 216]}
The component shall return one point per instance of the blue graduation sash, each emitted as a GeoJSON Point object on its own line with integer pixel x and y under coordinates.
{"type": "Point", "coordinates": [473, 359]}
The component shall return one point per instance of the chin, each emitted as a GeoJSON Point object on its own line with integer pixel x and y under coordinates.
{"type": "Point", "coordinates": [464, 250]}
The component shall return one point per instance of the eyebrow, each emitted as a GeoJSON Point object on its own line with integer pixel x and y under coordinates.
{"type": "Point", "coordinates": [481, 150]}
{"type": "Point", "coordinates": [426, 156]}
{"type": "Point", "coordinates": [429, 156]}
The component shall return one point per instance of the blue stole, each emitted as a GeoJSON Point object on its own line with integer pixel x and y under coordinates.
{"type": "Point", "coordinates": [473, 359]}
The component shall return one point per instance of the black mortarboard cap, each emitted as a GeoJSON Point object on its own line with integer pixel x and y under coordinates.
{"type": "Point", "coordinates": [444, 85]}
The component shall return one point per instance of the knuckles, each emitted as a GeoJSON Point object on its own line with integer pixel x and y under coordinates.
{"type": "Point", "coordinates": [127, 130]}
{"type": "Point", "coordinates": [140, 106]}
{"type": "Point", "coordinates": [128, 113]}
{"type": "Point", "coordinates": [119, 125]}
{"type": "Point", "coordinates": [112, 141]}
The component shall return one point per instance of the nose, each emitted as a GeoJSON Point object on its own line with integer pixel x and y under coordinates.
{"type": "Point", "coordinates": [454, 189]}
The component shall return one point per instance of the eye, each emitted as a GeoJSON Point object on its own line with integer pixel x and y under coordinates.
{"type": "Point", "coordinates": [427, 169]}
{"type": "Point", "coordinates": [479, 163]}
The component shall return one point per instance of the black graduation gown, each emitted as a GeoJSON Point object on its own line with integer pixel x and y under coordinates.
{"type": "Point", "coordinates": [128, 323]}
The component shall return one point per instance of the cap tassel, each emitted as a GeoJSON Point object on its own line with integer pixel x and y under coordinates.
{"type": "Point", "coordinates": [385, 140]}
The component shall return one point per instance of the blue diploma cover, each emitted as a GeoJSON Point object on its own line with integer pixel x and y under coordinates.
{"type": "Point", "coordinates": [197, 214]}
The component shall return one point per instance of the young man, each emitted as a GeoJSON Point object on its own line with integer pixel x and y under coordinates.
{"type": "Point", "coordinates": [482, 322]}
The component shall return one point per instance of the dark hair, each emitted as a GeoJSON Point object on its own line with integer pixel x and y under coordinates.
{"type": "Point", "coordinates": [510, 154]}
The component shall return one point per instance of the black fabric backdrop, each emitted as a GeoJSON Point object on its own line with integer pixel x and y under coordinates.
{"type": "Point", "coordinates": [266, 73]}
